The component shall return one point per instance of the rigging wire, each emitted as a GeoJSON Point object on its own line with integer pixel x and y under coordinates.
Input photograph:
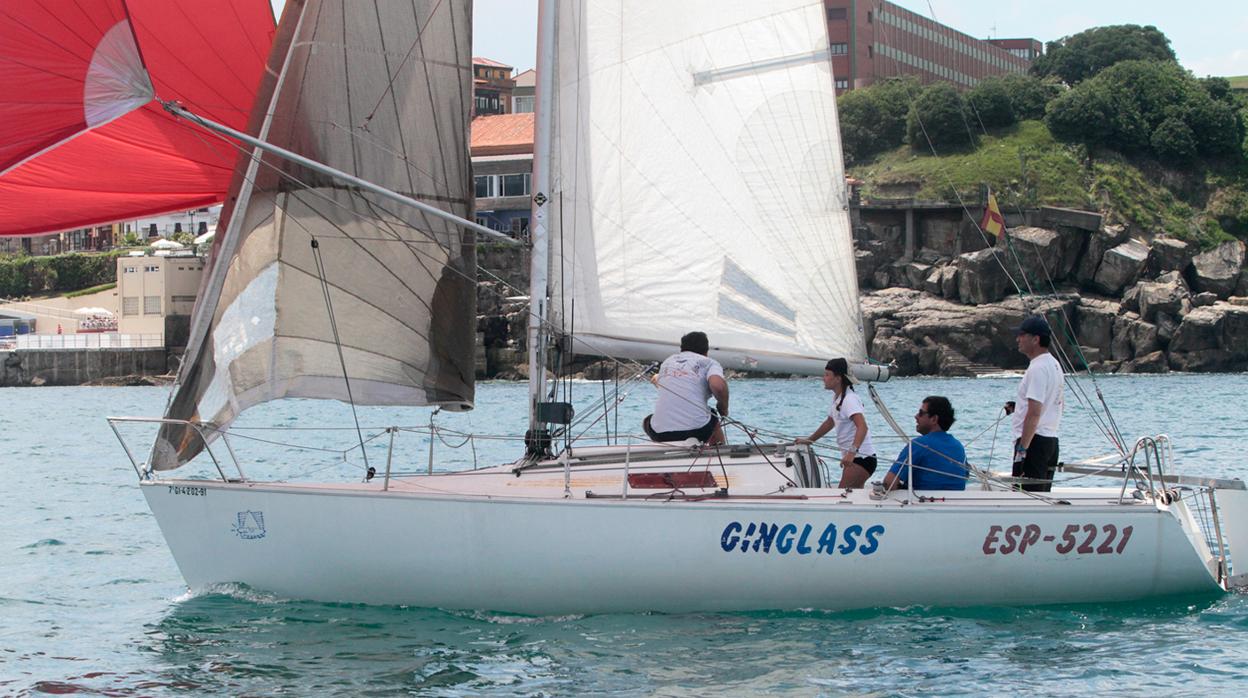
{"type": "Point", "coordinates": [1105, 423]}
{"type": "Point", "coordinates": [333, 326]}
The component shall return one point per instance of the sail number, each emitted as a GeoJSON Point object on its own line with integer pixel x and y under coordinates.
{"type": "Point", "coordinates": [1081, 539]}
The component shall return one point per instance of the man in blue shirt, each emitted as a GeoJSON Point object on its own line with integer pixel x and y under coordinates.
{"type": "Point", "coordinates": [939, 459]}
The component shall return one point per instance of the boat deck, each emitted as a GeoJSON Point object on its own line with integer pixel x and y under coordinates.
{"type": "Point", "coordinates": [663, 473]}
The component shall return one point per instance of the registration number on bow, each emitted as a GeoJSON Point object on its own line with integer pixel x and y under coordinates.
{"type": "Point", "coordinates": [1080, 539]}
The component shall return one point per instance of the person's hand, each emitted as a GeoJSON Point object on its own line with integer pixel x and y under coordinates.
{"type": "Point", "coordinates": [1020, 452]}
{"type": "Point", "coordinates": [1009, 407]}
{"type": "Point", "coordinates": [802, 441]}
{"type": "Point", "coordinates": [847, 458]}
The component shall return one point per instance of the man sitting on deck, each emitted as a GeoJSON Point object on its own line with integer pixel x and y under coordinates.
{"type": "Point", "coordinates": [939, 460]}
{"type": "Point", "coordinates": [685, 381]}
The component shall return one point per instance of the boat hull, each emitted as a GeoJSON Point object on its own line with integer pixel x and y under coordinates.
{"type": "Point", "coordinates": [612, 555]}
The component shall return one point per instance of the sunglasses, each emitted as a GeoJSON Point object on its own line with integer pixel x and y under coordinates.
{"type": "Point", "coordinates": [923, 413]}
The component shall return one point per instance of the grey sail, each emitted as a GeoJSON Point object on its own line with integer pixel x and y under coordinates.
{"type": "Point", "coordinates": [381, 90]}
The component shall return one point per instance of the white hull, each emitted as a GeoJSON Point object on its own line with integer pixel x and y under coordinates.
{"type": "Point", "coordinates": [518, 546]}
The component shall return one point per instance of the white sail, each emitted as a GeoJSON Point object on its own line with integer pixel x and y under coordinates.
{"type": "Point", "coordinates": [699, 183]}
{"type": "Point", "coordinates": [381, 91]}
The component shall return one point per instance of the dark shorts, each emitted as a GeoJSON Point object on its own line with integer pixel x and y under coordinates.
{"type": "Point", "coordinates": [1039, 464]}
{"type": "Point", "coordinates": [702, 433]}
{"type": "Point", "coordinates": [868, 463]}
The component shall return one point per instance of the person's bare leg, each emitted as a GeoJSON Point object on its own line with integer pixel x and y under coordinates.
{"type": "Point", "coordinates": [854, 477]}
{"type": "Point", "coordinates": [717, 436]}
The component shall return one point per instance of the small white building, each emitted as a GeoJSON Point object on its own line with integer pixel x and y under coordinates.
{"type": "Point", "coordinates": [157, 294]}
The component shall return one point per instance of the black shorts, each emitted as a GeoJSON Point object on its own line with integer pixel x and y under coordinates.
{"type": "Point", "coordinates": [702, 433]}
{"type": "Point", "coordinates": [1038, 464]}
{"type": "Point", "coordinates": [868, 463]}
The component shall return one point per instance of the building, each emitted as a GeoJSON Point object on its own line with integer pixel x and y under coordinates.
{"type": "Point", "coordinates": [194, 222]}
{"type": "Point", "coordinates": [872, 40]}
{"type": "Point", "coordinates": [502, 166]}
{"type": "Point", "coordinates": [93, 239]}
{"type": "Point", "coordinates": [157, 294]}
{"type": "Point", "coordinates": [523, 98]}
{"type": "Point", "coordinates": [492, 87]}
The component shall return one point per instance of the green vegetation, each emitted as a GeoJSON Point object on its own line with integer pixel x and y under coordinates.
{"type": "Point", "coordinates": [1022, 163]}
{"type": "Point", "coordinates": [1150, 108]}
{"type": "Point", "coordinates": [1108, 121]}
{"type": "Point", "coordinates": [1081, 56]}
{"type": "Point", "coordinates": [91, 290]}
{"type": "Point", "coordinates": [22, 276]}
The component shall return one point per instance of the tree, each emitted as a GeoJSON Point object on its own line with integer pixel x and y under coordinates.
{"type": "Point", "coordinates": [873, 119]}
{"type": "Point", "coordinates": [1080, 56]}
{"type": "Point", "coordinates": [938, 120]}
{"type": "Point", "coordinates": [1173, 142]}
{"type": "Point", "coordinates": [1123, 108]}
{"type": "Point", "coordinates": [990, 102]}
{"type": "Point", "coordinates": [1029, 95]}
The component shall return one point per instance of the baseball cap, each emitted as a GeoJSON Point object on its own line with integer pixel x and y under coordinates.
{"type": "Point", "coordinates": [1035, 325]}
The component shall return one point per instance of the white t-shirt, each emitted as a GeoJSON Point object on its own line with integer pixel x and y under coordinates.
{"type": "Point", "coordinates": [1044, 383]}
{"type": "Point", "coordinates": [844, 420]}
{"type": "Point", "coordinates": [683, 392]}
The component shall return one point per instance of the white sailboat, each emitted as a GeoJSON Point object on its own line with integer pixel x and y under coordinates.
{"type": "Point", "coordinates": [689, 176]}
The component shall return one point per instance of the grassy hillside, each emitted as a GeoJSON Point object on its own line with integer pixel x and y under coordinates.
{"type": "Point", "coordinates": [1239, 83]}
{"type": "Point", "coordinates": [1025, 167]}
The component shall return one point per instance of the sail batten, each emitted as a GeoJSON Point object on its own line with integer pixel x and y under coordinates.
{"type": "Point", "coordinates": [314, 265]}
{"type": "Point", "coordinates": [700, 181]}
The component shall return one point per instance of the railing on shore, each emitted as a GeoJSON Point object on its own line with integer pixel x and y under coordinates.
{"type": "Point", "coordinates": [106, 340]}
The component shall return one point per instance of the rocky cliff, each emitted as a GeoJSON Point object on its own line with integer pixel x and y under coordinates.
{"type": "Point", "coordinates": [940, 298]}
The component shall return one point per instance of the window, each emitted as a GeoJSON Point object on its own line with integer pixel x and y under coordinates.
{"type": "Point", "coordinates": [841, 84]}
{"type": "Point", "coordinates": [151, 305]}
{"type": "Point", "coordinates": [838, 49]}
{"type": "Point", "coordinates": [519, 226]}
{"type": "Point", "coordinates": [152, 267]}
{"type": "Point", "coordinates": [522, 104]}
{"type": "Point", "coordinates": [836, 13]}
{"type": "Point", "coordinates": [516, 185]}
{"type": "Point", "coordinates": [870, 51]}
{"type": "Point", "coordinates": [870, 18]}
{"type": "Point", "coordinates": [130, 270]}
{"type": "Point", "coordinates": [130, 306]}
{"type": "Point", "coordinates": [484, 185]}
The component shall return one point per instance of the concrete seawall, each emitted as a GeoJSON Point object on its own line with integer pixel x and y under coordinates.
{"type": "Point", "coordinates": [78, 366]}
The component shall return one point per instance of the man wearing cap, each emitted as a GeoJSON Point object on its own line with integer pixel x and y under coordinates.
{"type": "Point", "coordinates": [1040, 402]}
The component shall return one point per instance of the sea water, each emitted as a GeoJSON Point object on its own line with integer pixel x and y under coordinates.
{"type": "Point", "coordinates": [92, 602]}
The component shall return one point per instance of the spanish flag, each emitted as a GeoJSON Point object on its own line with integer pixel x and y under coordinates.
{"type": "Point", "coordinates": [993, 222]}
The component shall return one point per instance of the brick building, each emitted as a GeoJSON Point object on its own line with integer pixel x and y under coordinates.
{"type": "Point", "coordinates": [492, 87]}
{"type": "Point", "coordinates": [873, 39]}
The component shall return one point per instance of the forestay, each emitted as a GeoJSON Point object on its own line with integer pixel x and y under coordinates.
{"type": "Point", "coordinates": [381, 91]}
{"type": "Point", "coordinates": [699, 183]}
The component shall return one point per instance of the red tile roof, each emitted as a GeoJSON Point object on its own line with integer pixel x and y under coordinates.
{"type": "Point", "coordinates": [477, 60]}
{"type": "Point", "coordinates": [502, 134]}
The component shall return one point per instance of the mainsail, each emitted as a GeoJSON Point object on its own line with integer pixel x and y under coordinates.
{"type": "Point", "coordinates": [699, 183]}
{"type": "Point", "coordinates": [81, 139]}
{"type": "Point", "coordinates": [313, 276]}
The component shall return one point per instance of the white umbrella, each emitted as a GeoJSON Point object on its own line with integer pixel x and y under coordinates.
{"type": "Point", "coordinates": [163, 244]}
{"type": "Point", "coordinates": [93, 311]}
{"type": "Point", "coordinates": [206, 237]}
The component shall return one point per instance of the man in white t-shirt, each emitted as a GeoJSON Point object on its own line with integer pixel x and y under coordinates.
{"type": "Point", "coordinates": [686, 381]}
{"type": "Point", "coordinates": [1037, 414]}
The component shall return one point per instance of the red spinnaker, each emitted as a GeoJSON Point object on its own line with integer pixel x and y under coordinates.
{"type": "Point", "coordinates": [83, 142]}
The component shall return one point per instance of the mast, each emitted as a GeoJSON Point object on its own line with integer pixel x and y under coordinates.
{"type": "Point", "coordinates": [540, 241]}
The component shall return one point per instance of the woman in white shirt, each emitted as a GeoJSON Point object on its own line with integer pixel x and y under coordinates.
{"type": "Point", "coordinates": [848, 418]}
